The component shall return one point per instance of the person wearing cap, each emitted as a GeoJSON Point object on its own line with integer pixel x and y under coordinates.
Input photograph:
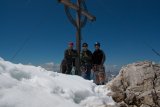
{"type": "Point", "coordinates": [86, 61]}
{"type": "Point", "coordinates": [98, 67]}
{"type": "Point", "coordinates": [69, 56]}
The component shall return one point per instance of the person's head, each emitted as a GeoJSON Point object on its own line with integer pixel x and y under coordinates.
{"type": "Point", "coordinates": [84, 46]}
{"type": "Point", "coordinates": [70, 45]}
{"type": "Point", "coordinates": [97, 45]}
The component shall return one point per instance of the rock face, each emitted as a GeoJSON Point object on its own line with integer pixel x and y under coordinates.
{"type": "Point", "coordinates": [137, 85]}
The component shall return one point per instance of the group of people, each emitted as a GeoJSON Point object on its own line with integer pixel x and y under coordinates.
{"type": "Point", "coordinates": [90, 63]}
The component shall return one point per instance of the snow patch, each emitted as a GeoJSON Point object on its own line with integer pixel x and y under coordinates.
{"type": "Point", "coordinates": [30, 86]}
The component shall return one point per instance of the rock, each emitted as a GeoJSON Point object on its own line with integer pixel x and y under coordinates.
{"type": "Point", "coordinates": [137, 85]}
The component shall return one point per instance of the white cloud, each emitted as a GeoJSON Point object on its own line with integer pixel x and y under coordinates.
{"type": "Point", "coordinates": [50, 66]}
{"type": "Point", "coordinates": [1, 58]}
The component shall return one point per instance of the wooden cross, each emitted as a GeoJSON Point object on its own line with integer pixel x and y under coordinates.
{"type": "Point", "coordinates": [81, 10]}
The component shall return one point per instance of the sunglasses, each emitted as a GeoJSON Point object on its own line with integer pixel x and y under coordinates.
{"type": "Point", "coordinates": [84, 46]}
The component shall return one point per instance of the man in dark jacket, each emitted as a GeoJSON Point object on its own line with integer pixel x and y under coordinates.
{"type": "Point", "coordinates": [86, 61]}
{"type": "Point", "coordinates": [98, 55]}
{"type": "Point", "coordinates": [98, 68]}
{"type": "Point", "coordinates": [69, 56]}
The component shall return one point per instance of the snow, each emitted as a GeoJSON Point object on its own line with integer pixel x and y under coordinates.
{"type": "Point", "coordinates": [30, 86]}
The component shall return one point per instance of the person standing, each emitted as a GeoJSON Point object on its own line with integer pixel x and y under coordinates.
{"type": "Point", "coordinates": [98, 65]}
{"type": "Point", "coordinates": [69, 56]}
{"type": "Point", "coordinates": [86, 61]}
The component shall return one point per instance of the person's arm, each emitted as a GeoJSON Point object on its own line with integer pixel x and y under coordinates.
{"type": "Point", "coordinates": [103, 58]}
{"type": "Point", "coordinates": [74, 56]}
{"type": "Point", "coordinates": [93, 59]}
{"type": "Point", "coordinates": [81, 57]}
{"type": "Point", "coordinates": [90, 56]}
{"type": "Point", "coordinates": [65, 54]}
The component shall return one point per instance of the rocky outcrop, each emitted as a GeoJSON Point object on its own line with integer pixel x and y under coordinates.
{"type": "Point", "coordinates": [137, 85]}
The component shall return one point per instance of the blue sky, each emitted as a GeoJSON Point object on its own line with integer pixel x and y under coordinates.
{"type": "Point", "coordinates": [122, 27]}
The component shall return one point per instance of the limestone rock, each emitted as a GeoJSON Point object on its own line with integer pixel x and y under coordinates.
{"type": "Point", "coordinates": [137, 85]}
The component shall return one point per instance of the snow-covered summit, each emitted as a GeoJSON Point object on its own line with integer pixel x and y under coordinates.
{"type": "Point", "coordinates": [30, 86]}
